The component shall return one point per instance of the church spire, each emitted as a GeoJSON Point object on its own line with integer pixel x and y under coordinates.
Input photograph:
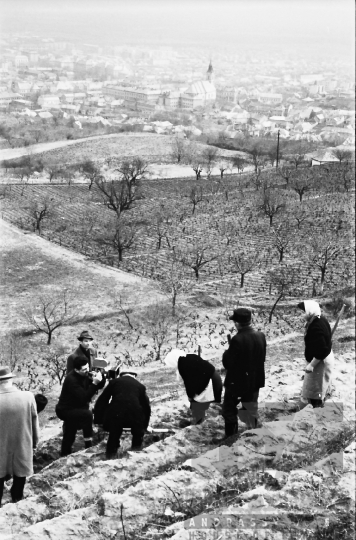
{"type": "Point", "coordinates": [209, 73]}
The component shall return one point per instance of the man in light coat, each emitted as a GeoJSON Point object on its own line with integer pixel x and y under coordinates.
{"type": "Point", "coordinates": [19, 434]}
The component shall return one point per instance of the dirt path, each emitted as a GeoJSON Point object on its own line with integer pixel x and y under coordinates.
{"type": "Point", "coordinates": [11, 153]}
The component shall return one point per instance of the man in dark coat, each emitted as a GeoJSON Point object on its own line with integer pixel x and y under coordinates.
{"type": "Point", "coordinates": [244, 362]}
{"type": "Point", "coordinates": [73, 405]}
{"type": "Point", "coordinates": [129, 407]}
{"type": "Point", "coordinates": [83, 351]}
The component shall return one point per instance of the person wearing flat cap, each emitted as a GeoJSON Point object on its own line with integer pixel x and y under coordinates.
{"type": "Point", "coordinates": [19, 434]}
{"type": "Point", "coordinates": [318, 354]}
{"type": "Point", "coordinates": [201, 380]}
{"type": "Point", "coordinates": [84, 350]}
{"type": "Point", "coordinates": [123, 404]}
{"type": "Point", "coordinates": [244, 362]}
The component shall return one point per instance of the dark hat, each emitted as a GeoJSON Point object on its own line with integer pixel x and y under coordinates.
{"type": "Point", "coordinates": [41, 402]}
{"type": "Point", "coordinates": [85, 335]}
{"type": "Point", "coordinates": [128, 373]}
{"type": "Point", "coordinates": [301, 306]}
{"type": "Point", "coordinates": [241, 315]}
{"type": "Point", "coordinates": [5, 373]}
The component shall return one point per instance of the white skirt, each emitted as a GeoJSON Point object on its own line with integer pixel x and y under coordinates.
{"type": "Point", "coordinates": [317, 382]}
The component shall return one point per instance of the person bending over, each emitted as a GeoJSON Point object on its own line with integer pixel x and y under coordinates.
{"type": "Point", "coordinates": [201, 380]}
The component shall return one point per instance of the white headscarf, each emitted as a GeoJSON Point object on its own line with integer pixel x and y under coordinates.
{"type": "Point", "coordinates": [172, 358]}
{"type": "Point", "coordinates": [312, 308]}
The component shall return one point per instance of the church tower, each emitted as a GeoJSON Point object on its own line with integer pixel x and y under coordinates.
{"type": "Point", "coordinates": [210, 73]}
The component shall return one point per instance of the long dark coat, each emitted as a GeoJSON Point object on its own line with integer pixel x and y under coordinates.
{"type": "Point", "coordinates": [123, 403]}
{"type": "Point", "coordinates": [245, 361]}
{"type": "Point", "coordinates": [80, 353]}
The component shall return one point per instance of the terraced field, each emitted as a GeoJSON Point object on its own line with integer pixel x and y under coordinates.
{"type": "Point", "coordinates": [225, 222]}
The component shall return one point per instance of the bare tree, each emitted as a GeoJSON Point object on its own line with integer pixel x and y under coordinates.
{"type": "Point", "coordinates": [40, 210]}
{"type": "Point", "coordinates": [196, 196]}
{"type": "Point", "coordinates": [287, 173]}
{"type": "Point", "coordinates": [282, 237]}
{"type": "Point", "coordinates": [54, 169]}
{"type": "Point", "coordinates": [124, 237]}
{"type": "Point", "coordinates": [179, 149]}
{"type": "Point", "coordinates": [244, 261]}
{"type": "Point", "coordinates": [257, 156]}
{"type": "Point", "coordinates": [222, 168]}
{"type": "Point", "coordinates": [299, 157]}
{"type": "Point", "coordinates": [300, 215]}
{"type": "Point", "coordinates": [121, 195]}
{"type": "Point", "coordinates": [301, 184]}
{"type": "Point", "coordinates": [272, 204]}
{"type": "Point", "coordinates": [197, 255]}
{"type": "Point", "coordinates": [175, 280]}
{"type": "Point", "coordinates": [55, 363]}
{"type": "Point", "coordinates": [198, 169]}
{"type": "Point", "coordinates": [324, 249]}
{"type": "Point", "coordinates": [209, 156]}
{"type": "Point", "coordinates": [342, 154]}
{"type": "Point", "coordinates": [239, 163]}
{"type": "Point", "coordinates": [286, 279]}
{"type": "Point", "coordinates": [91, 171]}
{"type": "Point", "coordinates": [50, 313]}
{"type": "Point", "coordinates": [158, 325]}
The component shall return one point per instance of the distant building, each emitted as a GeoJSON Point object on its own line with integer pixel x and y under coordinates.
{"type": "Point", "coordinates": [49, 101]}
{"type": "Point", "coordinates": [270, 98]}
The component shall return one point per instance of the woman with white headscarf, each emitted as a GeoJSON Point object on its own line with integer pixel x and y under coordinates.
{"type": "Point", "coordinates": [318, 354]}
{"type": "Point", "coordinates": [202, 382]}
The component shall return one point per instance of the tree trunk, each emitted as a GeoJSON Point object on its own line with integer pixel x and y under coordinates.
{"type": "Point", "coordinates": [274, 307]}
{"type": "Point", "coordinates": [196, 271]}
{"type": "Point", "coordinates": [270, 220]}
{"type": "Point", "coordinates": [242, 281]}
{"type": "Point", "coordinates": [49, 337]}
{"type": "Point", "coordinates": [300, 197]}
{"type": "Point", "coordinates": [281, 253]}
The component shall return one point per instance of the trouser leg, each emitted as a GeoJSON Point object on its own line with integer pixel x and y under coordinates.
{"type": "Point", "coordinates": [2, 482]}
{"type": "Point", "coordinates": [17, 488]}
{"type": "Point", "coordinates": [74, 420]}
{"type": "Point", "coordinates": [69, 433]}
{"type": "Point", "coordinates": [229, 411]}
{"type": "Point", "coordinates": [249, 412]}
{"type": "Point", "coordinates": [198, 411]}
{"type": "Point", "coordinates": [217, 386]}
{"type": "Point", "coordinates": [137, 437]}
{"type": "Point", "coordinates": [113, 442]}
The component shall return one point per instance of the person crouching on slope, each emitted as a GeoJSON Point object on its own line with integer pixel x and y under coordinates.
{"type": "Point", "coordinates": [201, 380]}
{"type": "Point", "coordinates": [318, 354]}
{"type": "Point", "coordinates": [123, 404]}
{"type": "Point", "coordinates": [73, 405]}
{"type": "Point", "coordinates": [244, 362]}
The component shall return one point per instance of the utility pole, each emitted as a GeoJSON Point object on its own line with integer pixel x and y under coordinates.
{"type": "Point", "coordinates": [277, 160]}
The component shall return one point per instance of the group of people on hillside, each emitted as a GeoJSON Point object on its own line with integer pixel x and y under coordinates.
{"type": "Point", "coordinates": [124, 402]}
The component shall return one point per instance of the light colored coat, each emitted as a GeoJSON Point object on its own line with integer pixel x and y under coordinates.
{"type": "Point", "coordinates": [19, 431]}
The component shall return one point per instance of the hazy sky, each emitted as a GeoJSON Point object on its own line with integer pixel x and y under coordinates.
{"type": "Point", "coordinates": [323, 24]}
